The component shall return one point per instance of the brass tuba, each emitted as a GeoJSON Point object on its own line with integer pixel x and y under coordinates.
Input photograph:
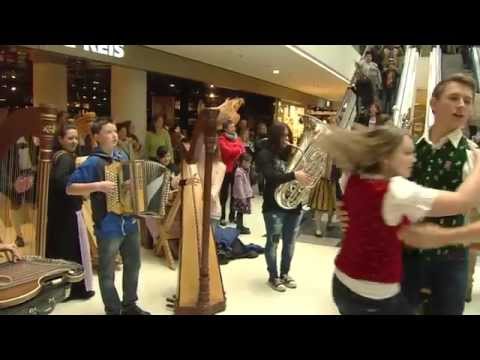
{"type": "Point", "coordinates": [308, 158]}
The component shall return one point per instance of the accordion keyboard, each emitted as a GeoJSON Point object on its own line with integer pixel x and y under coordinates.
{"type": "Point", "coordinates": [112, 172]}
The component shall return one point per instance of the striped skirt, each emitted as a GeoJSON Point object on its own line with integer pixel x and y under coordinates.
{"type": "Point", "coordinates": [322, 197]}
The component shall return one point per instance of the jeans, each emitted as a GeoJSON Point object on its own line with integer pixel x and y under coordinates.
{"type": "Point", "coordinates": [444, 274]}
{"type": "Point", "coordinates": [350, 303]}
{"type": "Point", "coordinates": [280, 225]}
{"type": "Point", "coordinates": [129, 247]}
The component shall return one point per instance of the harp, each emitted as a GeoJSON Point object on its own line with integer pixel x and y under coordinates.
{"type": "Point", "coordinates": [200, 287]}
{"type": "Point", "coordinates": [24, 176]}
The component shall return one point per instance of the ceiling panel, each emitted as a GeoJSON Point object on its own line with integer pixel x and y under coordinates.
{"type": "Point", "coordinates": [259, 61]}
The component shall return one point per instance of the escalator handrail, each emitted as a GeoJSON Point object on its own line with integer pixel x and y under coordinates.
{"type": "Point", "coordinates": [406, 71]}
{"type": "Point", "coordinates": [475, 56]}
{"type": "Point", "coordinates": [435, 67]}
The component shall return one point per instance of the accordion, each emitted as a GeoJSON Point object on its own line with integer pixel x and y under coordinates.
{"type": "Point", "coordinates": [141, 188]}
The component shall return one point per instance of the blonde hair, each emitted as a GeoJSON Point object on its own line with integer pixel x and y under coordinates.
{"type": "Point", "coordinates": [362, 151]}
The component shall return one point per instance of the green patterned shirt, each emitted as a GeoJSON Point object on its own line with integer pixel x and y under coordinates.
{"type": "Point", "coordinates": [441, 169]}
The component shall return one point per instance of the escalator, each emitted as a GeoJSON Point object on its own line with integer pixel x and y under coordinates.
{"type": "Point", "coordinates": [347, 113]}
{"type": "Point", "coordinates": [421, 74]}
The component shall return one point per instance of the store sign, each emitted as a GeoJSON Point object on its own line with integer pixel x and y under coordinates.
{"type": "Point", "coordinates": [117, 51]}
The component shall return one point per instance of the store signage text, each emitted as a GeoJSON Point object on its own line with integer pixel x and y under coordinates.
{"type": "Point", "coordinates": [117, 51]}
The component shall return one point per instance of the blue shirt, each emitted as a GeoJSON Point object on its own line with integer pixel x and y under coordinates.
{"type": "Point", "coordinates": [107, 224]}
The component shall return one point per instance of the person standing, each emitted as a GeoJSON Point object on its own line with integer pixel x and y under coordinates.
{"type": "Point", "coordinates": [372, 72]}
{"type": "Point", "coordinates": [242, 191]}
{"type": "Point", "coordinates": [231, 147]}
{"type": "Point", "coordinates": [159, 136]}
{"type": "Point", "coordinates": [279, 223]}
{"type": "Point", "coordinates": [66, 236]}
{"type": "Point", "coordinates": [444, 160]}
{"type": "Point", "coordinates": [114, 232]}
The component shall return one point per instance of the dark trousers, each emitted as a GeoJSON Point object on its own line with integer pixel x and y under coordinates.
{"type": "Point", "coordinates": [388, 100]}
{"type": "Point", "coordinates": [261, 182]}
{"type": "Point", "coordinates": [239, 220]}
{"type": "Point", "coordinates": [444, 272]}
{"type": "Point", "coordinates": [225, 193]}
{"type": "Point", "coordinates": [350, 303]}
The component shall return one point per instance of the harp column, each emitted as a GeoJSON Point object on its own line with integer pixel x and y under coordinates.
{"type": "Point", "coordinates": [50, 84]}
{"type": "Point", "coordinates": [129, 98]}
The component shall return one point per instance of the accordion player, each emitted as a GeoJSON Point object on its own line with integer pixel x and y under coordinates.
{"type": "Point", "coordinates": [141, 188]}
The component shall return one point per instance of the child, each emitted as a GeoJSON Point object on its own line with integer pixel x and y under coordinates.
{"type": "Point", "coordinates": [164, 158]}
{"type": "Point", "coordinates": [113, 232]}
{"type": "Point", "coordinates": [378, 200]}
{"type": "Point", "coordinates": [242, 191]}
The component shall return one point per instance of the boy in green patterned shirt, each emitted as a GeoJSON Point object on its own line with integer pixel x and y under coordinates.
{"type": "Point", "coordinates": [444, 159]}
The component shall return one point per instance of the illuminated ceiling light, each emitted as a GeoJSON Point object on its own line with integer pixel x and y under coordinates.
{"type": "Point", "coordinates": [276, 72]}
{"type": "Point", "coordinates": [3, 99]}
{"type": "Point", "coordinates": [94, 97]}
{"type": "Point", "coordinates": [104, 99]}
{"type": "Point", "coordinates": [14, 88]}
{"type": "Point", "coordinates": [172, 85]}
{"type": "Point", "coordinates": [212, 86]}
{"type": "Point", "coordinates": [94, 88]}
{"type": "Point", "coordinates": [84, 96]}
{"type": "Point", "coordinates": [212, 95]}
{"type": "Point", "coordinates": [14, 77]}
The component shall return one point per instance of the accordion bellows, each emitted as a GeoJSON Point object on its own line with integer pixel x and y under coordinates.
{"type": "Point", "coordinates": [141, 188]}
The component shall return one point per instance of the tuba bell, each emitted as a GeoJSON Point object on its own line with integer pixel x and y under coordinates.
{"type": "Point", "coordinates": [309, 158]}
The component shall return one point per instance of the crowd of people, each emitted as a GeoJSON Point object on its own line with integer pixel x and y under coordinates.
{"type": "Point", "coordinates": [387, 184]}
{"type": "Point", "coordinates": [376, 82]}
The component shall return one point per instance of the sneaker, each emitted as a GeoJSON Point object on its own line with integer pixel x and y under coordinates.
{"type": "Point", "coordinates": [277, 285]}
{"type": "Point", "coordinates": [134, 310]}
{"type": "Point", "coordinates": [318, 233]}
{"type": "Point", "coordinates": [288, 282]}
{"type": "Point", "coordinates": [19, 242]}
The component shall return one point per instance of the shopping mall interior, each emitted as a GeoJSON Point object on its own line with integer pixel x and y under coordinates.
{"type": "Point", "coordinates": [190, 263]}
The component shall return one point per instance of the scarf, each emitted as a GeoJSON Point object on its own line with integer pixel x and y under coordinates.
{"type": "Point", "coordinates": [231, 136]}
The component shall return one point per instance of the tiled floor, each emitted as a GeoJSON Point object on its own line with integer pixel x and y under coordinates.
{"type": "Point", "coordinates": [245, 281]}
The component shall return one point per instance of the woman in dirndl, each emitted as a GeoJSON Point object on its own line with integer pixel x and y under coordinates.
{"type": "Point", "coordinates": [323, 199]}
{"type": "Point", "coordinates": [66, 231]}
